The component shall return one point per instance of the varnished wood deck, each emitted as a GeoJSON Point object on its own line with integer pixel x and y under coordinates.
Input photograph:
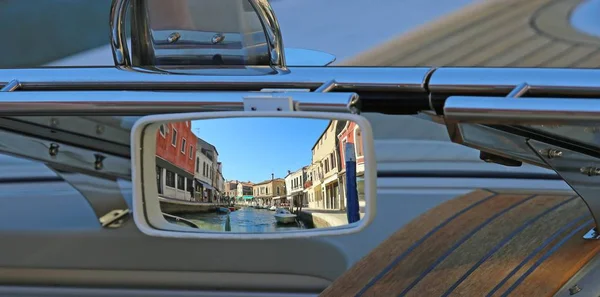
{"type": "Point", "coordinates": [485, 243]}
{"type": "Point", "coordinates": [495, 33]}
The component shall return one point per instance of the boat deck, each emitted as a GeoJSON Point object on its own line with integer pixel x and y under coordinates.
{"type": "Point", "coordinates": [497, 33]}
{"type": "Point", "coordinates": [485, 243]}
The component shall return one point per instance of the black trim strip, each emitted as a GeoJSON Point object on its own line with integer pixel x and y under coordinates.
{"type": "Point", "coordinates": [20, 180]}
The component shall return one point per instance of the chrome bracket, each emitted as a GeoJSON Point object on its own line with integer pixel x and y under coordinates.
{"type": "Point", "coordinates": [578, 171]}
{"type": "Point", "coordinates": [268, 103]}
{"type": "Point", "coordinates": [114, 218]}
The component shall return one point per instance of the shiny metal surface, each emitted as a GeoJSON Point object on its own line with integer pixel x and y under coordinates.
{"type": "Point", "coordinates": [519, 91]}
{"type": "Point", "coordinates": [118, 35]}
{"type": "Point", "coordinates": [392, 79]}
{"type": "Point", "coordinates": [467, 79]}
{"type": "Point", "coordinates": [64, 157]}
{"type": "Point", "coordinates": [272, 32]}
{"type": "Point", "coordinates": [103, 195]}
{"type": "Point", "coordinates": [114, 103]}
{"type": "Point", "coordinates": [11, 86]}
{"type": "Point", "coordinates": [305, 57]}
{"type": "Point", "coordinates": [497, 110]}
{"type": "Point", "coordinates": [572, 167]}
{"type": "Point", "coordinates": [144, 51]}
{"type": "Point", "coordinates": [496, 141]}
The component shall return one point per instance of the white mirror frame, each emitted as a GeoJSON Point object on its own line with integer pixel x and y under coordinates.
{"type": "Point", "coordinates": [146, 208]}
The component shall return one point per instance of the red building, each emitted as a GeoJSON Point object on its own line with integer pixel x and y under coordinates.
{"type": "Point", "coordinates": [351, 134]}
{"type": "Point", "coordinates": [176, 143]}
{"type": "Point", "coordinates": [175, 160]}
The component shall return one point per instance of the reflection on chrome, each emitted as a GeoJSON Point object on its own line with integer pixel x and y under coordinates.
{"type": "Point", "coordinates": [277, 174]}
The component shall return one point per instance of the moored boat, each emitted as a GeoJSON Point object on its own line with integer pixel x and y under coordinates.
{"type": "Point", "coordinates": [284, 216]}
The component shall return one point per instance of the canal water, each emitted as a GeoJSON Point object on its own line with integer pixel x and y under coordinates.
{"type": "Point", "coordinates": [244, 220]}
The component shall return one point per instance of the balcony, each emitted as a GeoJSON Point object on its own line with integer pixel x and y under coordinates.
{"type": "Point", "coordinates": [308, 184]}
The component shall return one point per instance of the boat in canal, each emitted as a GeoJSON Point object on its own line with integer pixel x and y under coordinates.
{"type": "Point", "coordinates": [273, 208]}
{"type": "Point", "coordinates": [223, 210]}
{"type": "Point", "coordinates": [284, 216]}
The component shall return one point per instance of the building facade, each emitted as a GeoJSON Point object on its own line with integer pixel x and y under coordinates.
{"type": "Point", "coordinates": [324, 191]}
{"type": "Point", "coordinates": [175, 159]}
{"type": "Point", "coordinates": [267, 191]}
{"type": "Point", "coordinates": [294, 186]}
{"type": "Point", "coordinates": [230, 188]}
{"type": "Point", "coordinates": [210, 151]}
{"type": "Point", "coordinates": [203, 180]}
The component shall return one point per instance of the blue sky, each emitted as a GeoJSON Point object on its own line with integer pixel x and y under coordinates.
{"type": "Point", "coordinates": [253, 148]}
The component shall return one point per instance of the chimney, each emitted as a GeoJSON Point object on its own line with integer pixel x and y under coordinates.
{"type": "Point", "coordinates": [272, 176]}
{"type": "Point", "coordinates": [289, 171]}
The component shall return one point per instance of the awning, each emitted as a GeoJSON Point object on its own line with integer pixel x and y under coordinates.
{"type": "Point", "coordinates": [204, 184]}
{"type": "Point", "coordinates": [247, 197]}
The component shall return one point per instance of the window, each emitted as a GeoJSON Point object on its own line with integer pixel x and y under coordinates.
{"type": "Point", "coordinates": [278, 191]}
{"type": "Point", "coordinates": [332, 158]}
{"type": "Point", "coordinates": [180, 182]}
{"type": "Point", "coordinates": [191, 152]}
{"type": "Point", "coordinates": [190, 185]}
{"type": "Point", "coordinates": [159, 179]}
{"type": "Point", "coordinates": [183, 143]}
{"type": "Point", "coordinates": [203, 168]}
{"type": "Point", "coordinates": [162, 130]}
{"type": "Point", "coordinates": [197, 165]}
{"type": "Point", "coordinates": [174, 138]}
{"type": "Point", "coordinates": [358, 142]}
{"type": "Point", "coordinates": [170, 179]}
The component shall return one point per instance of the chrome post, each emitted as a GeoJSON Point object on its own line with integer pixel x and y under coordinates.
{"type": "Point", "coordinates": [518, 91]}
{"type": "Point", "coordinates": [272, 32]}
{"type": "Point", "coordinates": [118, 36]}
{"type": "Point", "coordinates": [327, 86]}
{"type": "Point", "coordinates": [13, 85]}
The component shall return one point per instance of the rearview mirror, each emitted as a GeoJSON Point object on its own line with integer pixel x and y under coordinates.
{"type": "Point", "coordinates": [253, 175]}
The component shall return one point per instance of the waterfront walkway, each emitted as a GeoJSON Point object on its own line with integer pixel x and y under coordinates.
{"type": "Point", "coordinates": [331, 217]}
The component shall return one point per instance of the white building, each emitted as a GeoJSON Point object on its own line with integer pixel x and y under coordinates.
{"type": "Point", "coordinates": [203, 177]}
{"type": "Point", "coordinates": [294, 184]}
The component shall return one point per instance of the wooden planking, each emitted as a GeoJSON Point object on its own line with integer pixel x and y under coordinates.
{"type": "Point", "coordinates": [493, 29]}
{"type": "Point", "coordinates": [401, 241]}
{"type": "Point", "coordinates": [478, 244]}
{"type": "Point", "coordinates": [506, 33]}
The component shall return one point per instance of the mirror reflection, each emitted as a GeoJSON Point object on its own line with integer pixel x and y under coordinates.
{"type": "Point", "coordinates": [260, 174]}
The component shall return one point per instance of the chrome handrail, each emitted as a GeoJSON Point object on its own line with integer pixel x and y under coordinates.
{"type": "Point", "coordinates": [272, 32]}
{"type": "Point", "coordinates": [120, 49]}
{"type": "Point", "coordinates": [118, 36]}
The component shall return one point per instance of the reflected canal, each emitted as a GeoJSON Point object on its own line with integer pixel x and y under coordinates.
{"type": "Point", "coordinates": [244, 220]}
